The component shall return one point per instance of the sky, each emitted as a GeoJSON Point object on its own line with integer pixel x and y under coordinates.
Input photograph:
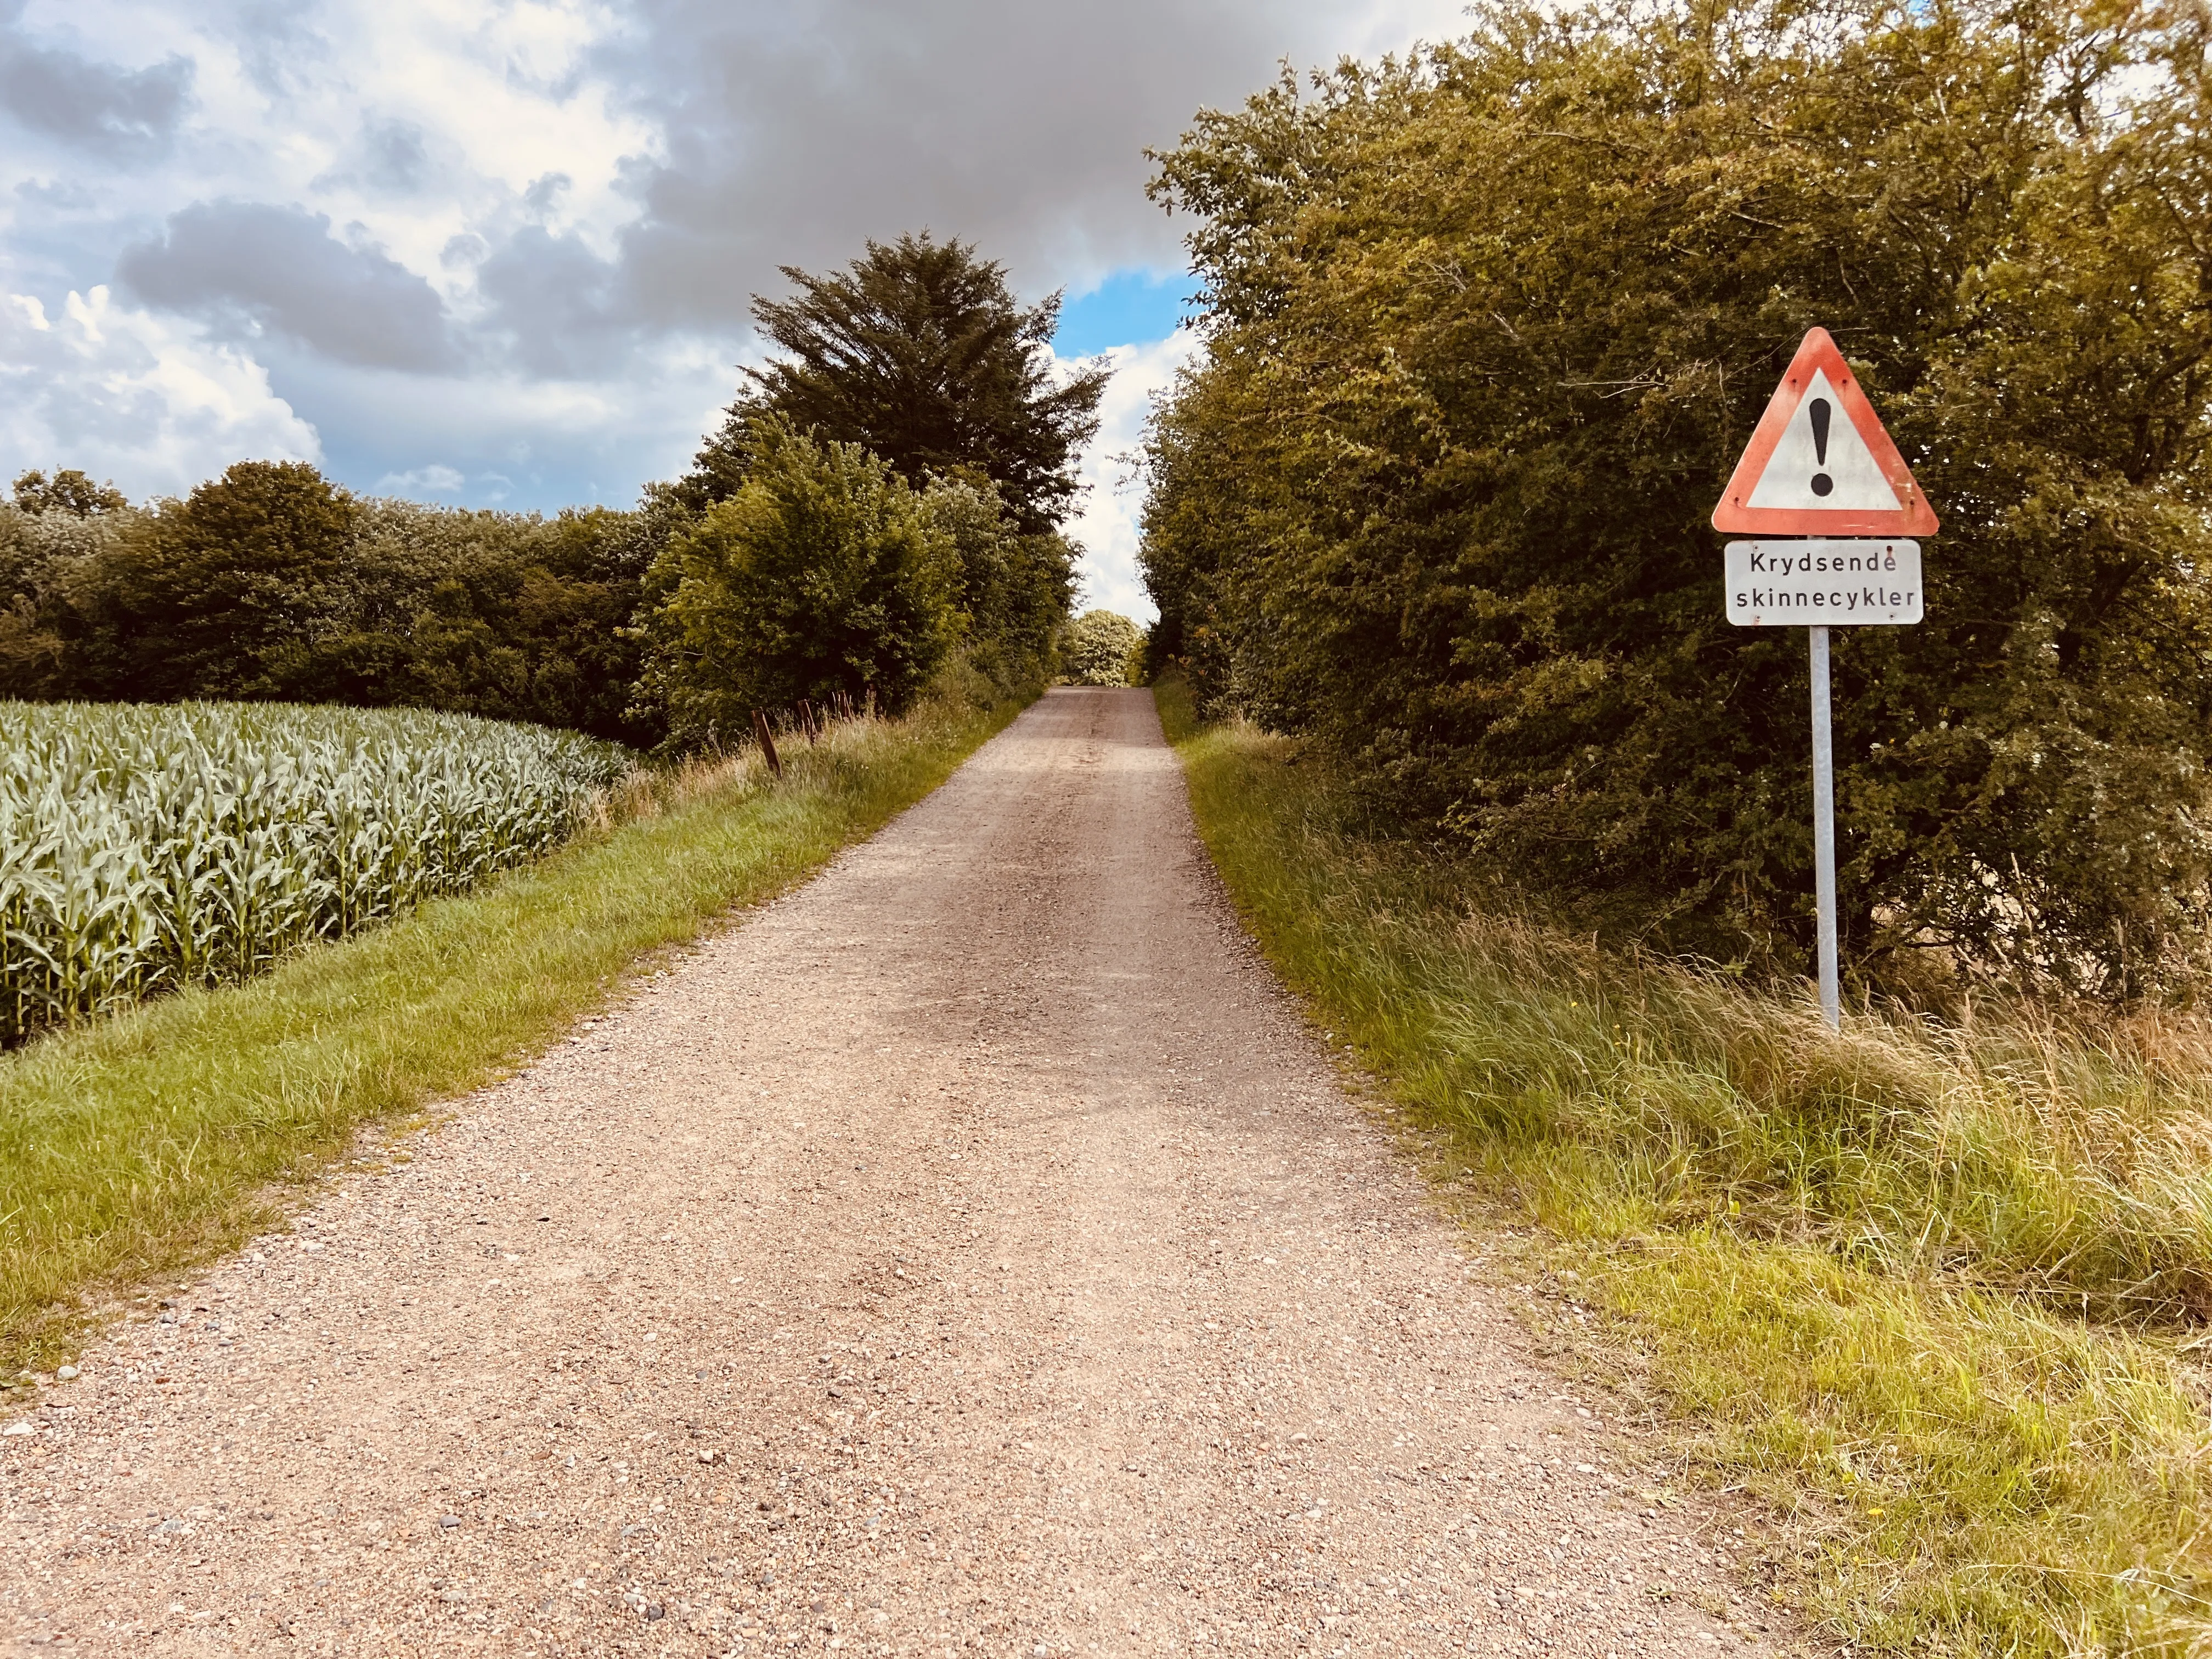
{"type": "Point", "coordinates": [500, 253]}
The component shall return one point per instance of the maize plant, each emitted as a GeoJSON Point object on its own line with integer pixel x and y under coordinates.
{"type": "Point", "coordinates": [146, 847]}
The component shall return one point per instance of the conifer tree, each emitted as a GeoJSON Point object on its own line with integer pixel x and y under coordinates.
{"type": "Point", "coordinates": [919, 353]}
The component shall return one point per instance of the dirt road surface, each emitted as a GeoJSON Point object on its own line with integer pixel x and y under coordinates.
{"type": "Point", "coordinates": [972, 1252]}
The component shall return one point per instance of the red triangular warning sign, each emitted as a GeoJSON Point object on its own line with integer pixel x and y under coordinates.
{"type": "Point", "coordinates": [1818, 462]}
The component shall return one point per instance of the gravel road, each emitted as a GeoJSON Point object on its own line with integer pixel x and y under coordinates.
{"type": "Point", "coordinates": [972, 1252]}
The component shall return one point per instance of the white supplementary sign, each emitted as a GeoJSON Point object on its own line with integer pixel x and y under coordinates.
{"type": "Point", "coordinates": [1829, 583]}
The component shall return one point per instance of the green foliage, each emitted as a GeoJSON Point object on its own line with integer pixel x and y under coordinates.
{"type": "Point", "coordinates": [67, 491]}
{"type": "Point", "coordinates": [1012, 590]}
{"type": "Point", "coordinates": [57, 570]}
{"type": "Point", "coordinates": [145, 848]}
{"type": "Point", "coordinates": [918, 352]}
{"type": "Point", "coordinates": [269, 584]}
{"type": "Point", "coordinates": [1102, 648]}
{"type": "Point", "coordinates": [1487, 329]}
{"type": "Point", "coordinates": [824, 573]}
{"type": "Point", "coordinates": [228, 590]}
{"type": "Point", "coordinates": [509, 616]}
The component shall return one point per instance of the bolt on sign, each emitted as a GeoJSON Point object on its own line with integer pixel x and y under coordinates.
{"type": "Point", "coordinates": [1834, 508]}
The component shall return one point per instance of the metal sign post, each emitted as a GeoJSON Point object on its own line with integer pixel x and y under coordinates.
{"type": "Point", "coordinates": [1824, 832]}
{"type": "Point", "coordinates": [1841, 488]}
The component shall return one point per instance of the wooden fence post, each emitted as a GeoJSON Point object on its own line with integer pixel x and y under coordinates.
{"type": "Point", "coordinates": [766, 741]}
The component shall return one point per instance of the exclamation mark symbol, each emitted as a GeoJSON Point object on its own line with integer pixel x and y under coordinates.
{"type": "Point", "coordinates": [1822, 484]}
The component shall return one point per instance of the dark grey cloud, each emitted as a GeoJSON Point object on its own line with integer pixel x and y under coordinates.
{"type": "Point", "coordinates": [118, 114]}
{"type": "Point", "coordinates": [280, 269]}
{"type": "Point", "coordinates": [560, 309]}
{"type": "Point", "coordinates": [792, 133]}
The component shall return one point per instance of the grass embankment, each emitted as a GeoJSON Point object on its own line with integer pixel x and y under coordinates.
{"type": "Point", "coordinates": [1931, 1290]}
{"type": "Point", "coordinates": [149, 1140]}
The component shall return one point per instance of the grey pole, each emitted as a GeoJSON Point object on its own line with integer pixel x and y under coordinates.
{"type": "Point", "coordinates": [1824, 832]}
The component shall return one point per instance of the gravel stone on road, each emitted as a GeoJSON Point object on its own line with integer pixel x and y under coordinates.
{"type": "Point", "coordinates": [973, 1251]}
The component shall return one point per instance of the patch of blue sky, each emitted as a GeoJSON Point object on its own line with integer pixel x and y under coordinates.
{"type": "Point", "coordinates": [1132, 307]}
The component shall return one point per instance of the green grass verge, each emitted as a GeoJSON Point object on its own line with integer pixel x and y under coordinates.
{"type": "Point", "coordinates": [1930, 1292]}
{"type": "Point", "coordinates": [149, 1141]}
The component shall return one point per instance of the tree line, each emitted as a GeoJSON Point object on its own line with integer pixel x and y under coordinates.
{"type": "Point", "coordinates": [1486, 329]}
{"type": "Point", "coordinates": [889, 491]}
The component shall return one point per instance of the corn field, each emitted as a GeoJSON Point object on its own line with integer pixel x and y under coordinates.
{"type": "Point", "coordinates": [147, 848]}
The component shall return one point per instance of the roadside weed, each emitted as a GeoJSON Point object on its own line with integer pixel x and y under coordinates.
{"type": "Point", "coordinates": [1933, 1291]}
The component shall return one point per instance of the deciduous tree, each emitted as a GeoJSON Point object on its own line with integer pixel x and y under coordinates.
{"type": "Point", "coordinates": [1102, 648]}
{"type": "Point", "coordinates": [1487, 329]}
{"type": "Point", "coordinates": [67, 491]}
{"type": "Point", "coordinates": [823, 573]}
{"type": "Point", "coordinates": [230, 590]}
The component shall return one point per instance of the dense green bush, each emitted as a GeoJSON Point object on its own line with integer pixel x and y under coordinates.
{"type": "Point", "coordinates": [1011, 588]}
{"type": "Point", "coordinates": [239, 590]}
{"type": "Point", "coordinates": [822, 574]}
{"type": "Point", "coordinates": [268, 583]}
{"type": "Point", "coordinates": [1102, 648]}
{"type": "Point", "coordinates": [1487, 329]}
{"type": "Point", "coordinates": [56, 563]}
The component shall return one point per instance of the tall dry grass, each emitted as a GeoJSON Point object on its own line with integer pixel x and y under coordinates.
{"type": "Point", "coordinates": [1932, 1288]}
{"type": "Point", "coordinates": [2067, 1159]}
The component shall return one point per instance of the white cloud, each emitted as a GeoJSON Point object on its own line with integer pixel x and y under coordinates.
{"type": "Point", "coordinates": [568, 203]}
{"type": "Point", "coordinates": [498, 94]}
{"type": "Point", "coordinates": [133, 396]}
{"type": "Point", "coordinates": [435, 479]}
{"type": "Point", "coordinates": [1107, 525]}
